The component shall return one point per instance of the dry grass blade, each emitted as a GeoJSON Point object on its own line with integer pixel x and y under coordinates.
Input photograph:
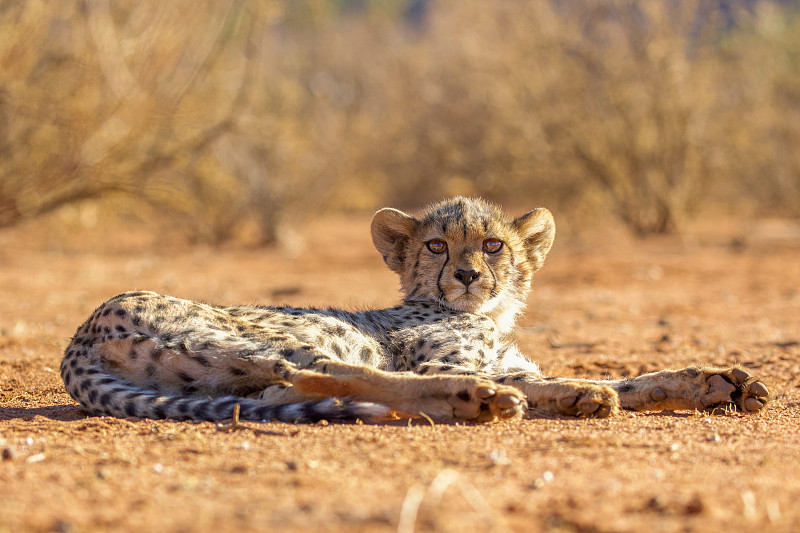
{"type": "Point", "coordinates": [432, 497]}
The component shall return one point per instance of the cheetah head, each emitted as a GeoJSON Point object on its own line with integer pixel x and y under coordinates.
{"type": "Point", "coordinates": [465, 254]}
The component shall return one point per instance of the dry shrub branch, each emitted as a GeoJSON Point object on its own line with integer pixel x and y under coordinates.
{"type": "Point", "coordinates": [218, 116]}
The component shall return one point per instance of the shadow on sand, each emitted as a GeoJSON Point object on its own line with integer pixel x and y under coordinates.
{"type": "Point", "coordinates": [64, 413]}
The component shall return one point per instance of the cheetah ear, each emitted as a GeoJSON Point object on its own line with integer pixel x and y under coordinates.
{"type": "Point", "coordinates": [538, 229]}
{"type": "Point", "coordinates": [391, 231]}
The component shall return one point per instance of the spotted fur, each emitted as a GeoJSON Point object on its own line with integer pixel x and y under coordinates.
{"type": "Point", "coordinates": [447, 351]}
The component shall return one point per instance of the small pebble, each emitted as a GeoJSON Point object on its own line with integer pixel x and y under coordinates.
{"type": "Point", "coordinates": [695, 505]}
{"type": "Point", "coordinates": [498, 458]}
{"type": "Point", "coordinates": [540, 482]}
{"type": "Point", "coordinates": [9, 453]}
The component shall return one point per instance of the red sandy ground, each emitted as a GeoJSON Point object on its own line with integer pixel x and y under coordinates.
{"type": "Point", "coordinates": [604, 306]}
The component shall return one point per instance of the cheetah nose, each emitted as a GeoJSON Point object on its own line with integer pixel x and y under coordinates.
{"type": "Point", "coordinates": [467, 276]}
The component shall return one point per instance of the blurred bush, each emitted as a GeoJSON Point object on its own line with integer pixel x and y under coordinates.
{"type": "Point", "coordinates": [219, 116]}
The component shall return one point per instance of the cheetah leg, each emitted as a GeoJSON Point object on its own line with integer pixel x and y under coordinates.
{"type": "Point", "coordinates": [703, 388]}
{"type": "Point", "coordinates": [571, 397]}
{"type": "Point", "coordinates": [442, 398]}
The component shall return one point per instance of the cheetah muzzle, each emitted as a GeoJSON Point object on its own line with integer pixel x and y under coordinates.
{"type": "Point", "coordinates": [447, 352]}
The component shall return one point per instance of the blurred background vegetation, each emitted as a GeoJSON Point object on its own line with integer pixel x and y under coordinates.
{"type": "Point", "coordinates": [214, 117]}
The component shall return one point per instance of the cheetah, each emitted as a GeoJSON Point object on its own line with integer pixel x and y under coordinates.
{"type": "Point", "coordinates": [447, 352]}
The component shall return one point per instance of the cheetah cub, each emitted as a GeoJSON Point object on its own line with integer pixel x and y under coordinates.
{"type": "Point", "coordinates": [446, 352]}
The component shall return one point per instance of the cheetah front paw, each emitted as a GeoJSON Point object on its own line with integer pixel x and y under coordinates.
{"type": "Point", "coordinates": [487, 401]}
{"type": "Point", "coordinates": [573, 398]}
{"type": "Point", "coordinates": [450, 398]}
{"type": "Point", "coordinates": [727, 387]}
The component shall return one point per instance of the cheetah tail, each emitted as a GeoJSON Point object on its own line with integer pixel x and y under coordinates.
{"type": "Point", "coordinates": [105, 394]}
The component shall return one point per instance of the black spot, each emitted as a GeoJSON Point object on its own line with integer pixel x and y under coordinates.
{"type": "Point", "coordinates": [106, 329]}
{"type": "Point", "coordinates": [464, 395]}
{"type": "Point", "coordinates": [130, 409]}
{"type": "Point", "coordinates": [183, 376]}
{"type": "Point", "coordinates": [337, 350]}
{"type": "Point", "coordinates": [107, 311]}
{"type": "Point", "coordinates": [73, 363]}
{"type": "Point", "coordinates": [225, 407]}
{"type": "Point", "coordinates": [67, 378]}
{"type": "Point", "coordinates": [151, 370]}
{"type": "Point", "coordinates": [92, 396]}
{"type": "Point", "coordinates": [626, 386]}
{"type": "Point", "coordinates": [366, 353]}
{"type": "Point", "coordinates": [120, 312]}
{"type": "Point", "coordinates": [104, 399]}
{"type": "Point", "coordinates": [201, 360]}
{"type": "Point", "coordinates": [139, 338]}
{"type": "Point", "coordinates": [445, 368]}
{"type": "Point", "coordinates": [120, 328]}
{"type": "Point", "coordinates": [79, 371]}
{"type": "Point", "coordinates": [286, 352]}
{"type": "Point", "coordinates": [201, 411]}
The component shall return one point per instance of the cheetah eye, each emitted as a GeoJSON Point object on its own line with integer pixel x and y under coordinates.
{"type": "Point", "coordinates": [492, 246]}
{"type": "Point", "coordinates": [436, 246]}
